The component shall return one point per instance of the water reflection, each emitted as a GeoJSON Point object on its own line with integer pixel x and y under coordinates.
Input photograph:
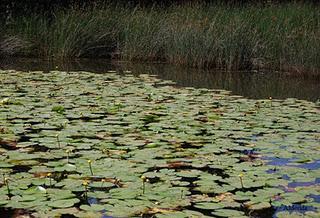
{"type": "Point", "coordinates": [316, 198]}
{"type": "Point", "coordinates": [294, 208]}
{"type": "Point", "coordinates": [301, 184]}
{"type": "Point", "coordinates": [290, 162]}
{"type": "Point", "coordinates": [248, 84]}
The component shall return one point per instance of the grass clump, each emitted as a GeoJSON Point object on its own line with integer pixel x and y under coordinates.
{"type": "Point", "coordinates": [282, 36]}
{"type": "Point", "coordinates": [74, 33]}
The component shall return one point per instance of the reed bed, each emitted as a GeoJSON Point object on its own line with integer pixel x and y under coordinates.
{"type": "Point", "coordinates": [281, 37]}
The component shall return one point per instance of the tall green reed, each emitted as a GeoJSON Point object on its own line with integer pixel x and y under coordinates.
{"type": "Point", "coordinates": [283, 36]}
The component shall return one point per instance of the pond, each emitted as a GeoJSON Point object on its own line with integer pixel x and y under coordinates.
{"type": "Point", "coordinates": [131, 144]}
{"type": "Point", "coordinates": [258, 85]}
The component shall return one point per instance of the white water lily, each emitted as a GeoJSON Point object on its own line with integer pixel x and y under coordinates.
{"type": "Point", "coordinates": [4, 101]}
{"type": "Point", "coordinates": [42, 189]}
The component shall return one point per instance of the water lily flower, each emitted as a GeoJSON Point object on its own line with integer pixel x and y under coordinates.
{"type": "Point", "coordinates": [90, 167]}
{"type": "Point", "coordinates": [240, 177]}
{"type": "Point", "coordinates": [41, 189]}
{"type": "Point", "coordinates": [85, 183]}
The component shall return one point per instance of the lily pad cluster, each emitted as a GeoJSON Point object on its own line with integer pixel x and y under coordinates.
{"type": "Point", "coordinates": [87, 145]}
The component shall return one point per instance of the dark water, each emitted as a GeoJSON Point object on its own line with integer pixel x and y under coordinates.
{"type": "Point", "coordinates": [257, 85]}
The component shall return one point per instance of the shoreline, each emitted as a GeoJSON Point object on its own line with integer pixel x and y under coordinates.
{"type": "Point", "coordinates": [252, 84]}
{"type": "Point", "coordinates": [284, 37]}
{"type": "Point", "coordinates": [286, 71]}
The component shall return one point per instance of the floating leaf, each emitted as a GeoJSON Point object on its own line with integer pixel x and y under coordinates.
{"type": "Point", "coordinates": [65, 203]}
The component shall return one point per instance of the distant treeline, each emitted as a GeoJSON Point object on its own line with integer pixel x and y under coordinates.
{"type": "Point", "coordinates": [24, 7]}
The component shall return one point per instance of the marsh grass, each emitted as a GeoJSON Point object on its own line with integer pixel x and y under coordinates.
{"type": "Point", "coordinates": [74, 33]}
{"type": "Point", "coordinates": [282, 37]}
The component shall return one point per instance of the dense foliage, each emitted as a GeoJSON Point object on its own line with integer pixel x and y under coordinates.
{"type": "Point", "coordinates": [17, 7]}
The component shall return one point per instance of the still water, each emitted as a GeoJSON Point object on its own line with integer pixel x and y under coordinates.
{"type": "Point", "coordinates": [257, 85]}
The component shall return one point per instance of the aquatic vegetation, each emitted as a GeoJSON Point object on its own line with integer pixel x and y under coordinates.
{"type": "Point", "coordinates": [6, 182]}
{"type": "Point", "coordinates": [90, 167]}
{"type": "Point", "coordinates": [144, 180]}
{"type": "Point", "coordinates": [279, 36]}
{"type": "Point", "coordinates": [241, 181]}
{"type": "Point", "coordinates": [128, 145]}
{"type": "Point", "coordinates": [59, 109]}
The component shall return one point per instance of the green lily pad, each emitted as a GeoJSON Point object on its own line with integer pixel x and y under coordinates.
{"type": "Point", "coordinates": [65, 203]}
{"type": "Point", "coordinates": [228, 213]}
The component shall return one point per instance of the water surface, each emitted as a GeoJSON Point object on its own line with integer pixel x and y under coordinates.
{"type": "Point", "coordinates": [256, 85]}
